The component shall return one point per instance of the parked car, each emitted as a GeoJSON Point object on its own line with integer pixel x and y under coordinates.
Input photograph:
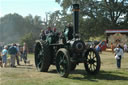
{"type": "Point", "coordinates": [92, 44]}
{"type": "Point", "coordinates": [103, 44]}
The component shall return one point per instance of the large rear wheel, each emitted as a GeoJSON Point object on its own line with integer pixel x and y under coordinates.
{"type": "Point", "coordinates": [63, 62]}
{"type": "Point", "coordinates": [92, 61]}
{"type": "Point", "coordinates": [42, 56]}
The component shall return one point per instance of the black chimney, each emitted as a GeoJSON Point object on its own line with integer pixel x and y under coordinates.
{"type": "Point", "coordinates": [76, 18]}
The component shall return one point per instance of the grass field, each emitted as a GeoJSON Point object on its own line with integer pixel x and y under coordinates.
{"type": "Point", "coordinates": [28, 75]}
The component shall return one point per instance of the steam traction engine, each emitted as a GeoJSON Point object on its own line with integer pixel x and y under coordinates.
{"type": "Point", "coordinates": [68, 54]}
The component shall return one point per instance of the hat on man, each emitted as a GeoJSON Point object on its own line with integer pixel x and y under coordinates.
{"type": "Point", "coordinates": [5, 47]}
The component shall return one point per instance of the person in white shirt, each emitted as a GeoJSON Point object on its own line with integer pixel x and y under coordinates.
{"type": "Point", "coordinates": [25, 51]}
{"type": "Point", "coordinates": [4, 56]}
{"type": "Point", "coordinates": [118, 55]}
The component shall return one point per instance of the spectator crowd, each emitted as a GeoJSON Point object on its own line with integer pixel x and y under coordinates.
{"type": "Point", "coordinates": [16, 52]}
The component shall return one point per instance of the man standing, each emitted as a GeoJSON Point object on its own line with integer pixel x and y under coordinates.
{"type": "Point", "coordinates": [68, 32]}
{"type": "Point", "coordinates": [13, 52]}
{"type": "Point", "coordinates": [118, 55]}
{"type": "Point", "coordinates": [17, 55]}
{"type": "Point", "coordinates": [112, 47]}
{"type": "Point", "coordinates": [25, 50]}
{"type": "Point", "coordinates": [42, 35]}
{"type": "Point", "coordinates": [49, 34]}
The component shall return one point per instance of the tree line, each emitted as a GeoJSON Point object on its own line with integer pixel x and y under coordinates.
{"type": "Point", "coordinates": [13, 27]}
{"type": "Point", "coordinates": [95, 17]}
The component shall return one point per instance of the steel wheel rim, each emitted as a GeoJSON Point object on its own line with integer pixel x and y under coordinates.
{"type": "Point", "coordinates": [62, 63]}
{"type": "Point", "coordinates": [38, 57]}
{"type": "Point", "coordinates": [91, 60]}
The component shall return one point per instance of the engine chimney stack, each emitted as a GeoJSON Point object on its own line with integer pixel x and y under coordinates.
{"type": "Point", "coordinates": [75, 19]}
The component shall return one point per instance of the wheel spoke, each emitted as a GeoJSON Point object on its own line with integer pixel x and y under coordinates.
{"type": "Point", "coordinates": [39, 58]}
{"type": "Point", "coordinates": [39, 64]}
{"type": "Point", "coordinates": [90, 66]}
{"type": "Point", "coordinates": [61, 59]}
{"type": "Point", "coordinates": [92, 63]}
{"type": "Point", "coordinates": [94, 66]}
{"type": "Point", "coordinates": [62, 62]}
{"type": "Point", "coordinates": [89, 55]}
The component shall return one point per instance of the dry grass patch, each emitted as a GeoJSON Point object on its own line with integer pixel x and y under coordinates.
{"type": "Point", "coordinates": [28, 75]}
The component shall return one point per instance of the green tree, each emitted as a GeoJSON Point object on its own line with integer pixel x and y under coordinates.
{"type": "Point", "coordinates": [14, 26]}
{"type": "Point", "coordinates": [29, 39]}
{"type": "Point", "coordinates": [115, 9]}
{"type": "Point", "coordinates": [98, 15]}
{"type": "Point", "coordinates": [10, 27]}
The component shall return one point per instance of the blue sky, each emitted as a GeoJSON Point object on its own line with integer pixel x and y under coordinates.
{"type": "Point", "coordinates": [26, 7]}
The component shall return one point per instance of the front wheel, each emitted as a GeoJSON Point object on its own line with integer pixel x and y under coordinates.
{"type": "Point", "coordinates": [92, 61]}
{"type": "Point", "coordinates": [63, 62]}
